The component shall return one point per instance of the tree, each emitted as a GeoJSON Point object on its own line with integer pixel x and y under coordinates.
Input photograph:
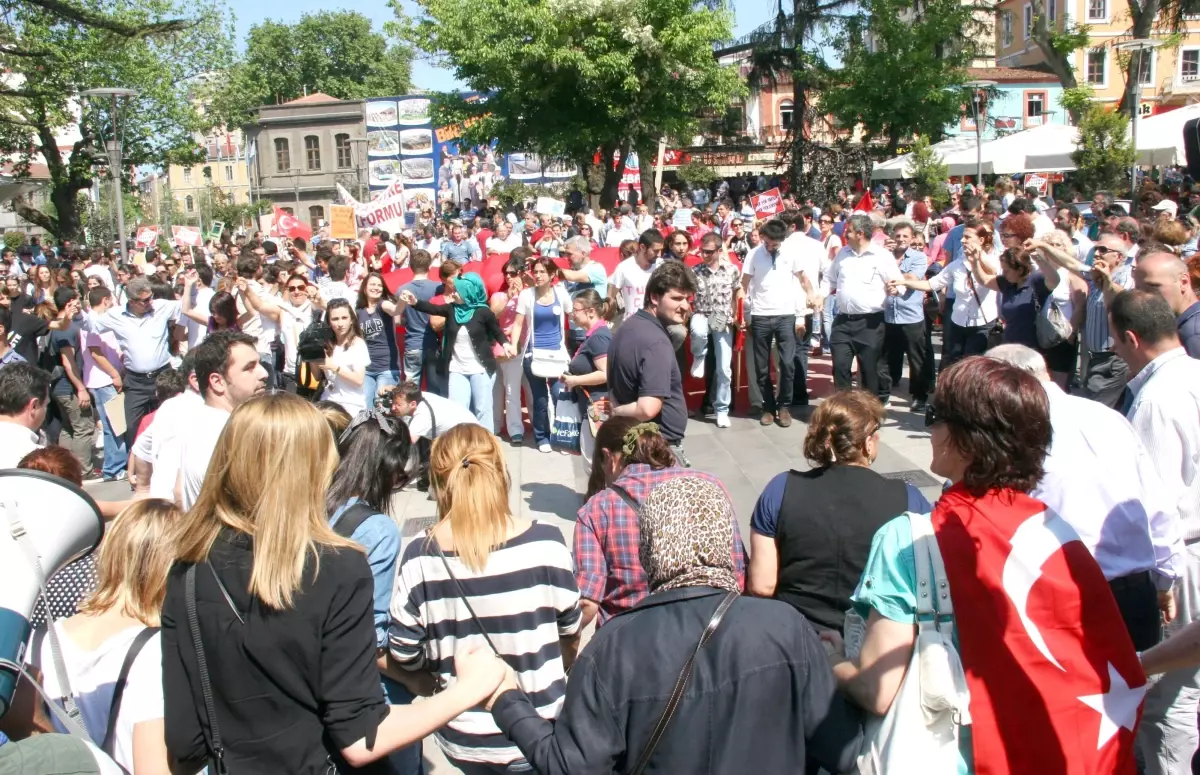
{"type": "Point", "coordinates": [335, 52]}
{"type": "Point", "coordinates": [909, 82]}
{"type": "Point", "coordinates": [578, 79]}
{"type": "Point", "coordinates": [1105, 153]}
{"type": "Point", "coordinates": [697, 174]}
{"type": "Point", "coordinates": [59, 59]}
{"type": "Point", "coordinates": [930, 172]}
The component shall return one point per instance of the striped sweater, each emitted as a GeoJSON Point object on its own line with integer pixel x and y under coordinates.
{"type": "Point", "coordinates": [526, 599]}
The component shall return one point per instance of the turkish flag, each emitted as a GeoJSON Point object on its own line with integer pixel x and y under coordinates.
{"type": "Point", "coordinates": [865, 203]}
{"type": "Point", "coordinates": [1056, 686]}
{"type": "Point", "coordinates": [290, 226]}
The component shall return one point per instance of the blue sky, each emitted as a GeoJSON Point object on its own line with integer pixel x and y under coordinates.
{"type": "Point", "coordinates": [749, 14]}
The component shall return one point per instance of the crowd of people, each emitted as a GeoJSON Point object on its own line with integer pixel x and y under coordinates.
{"type": "Point", "coordinates": [253, 606]}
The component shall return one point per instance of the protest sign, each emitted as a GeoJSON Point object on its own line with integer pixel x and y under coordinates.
{"type": "Point", "coordinates": [341, 222]}
{"type": "Point", "coordinates": [682, 219]}
{"type": "Point", "coordinates": [187, 236]}
{"type": "Point", "coordinates": [215, 230]}
{"type": "Point", "coordinates": [385, 213]}
{"type": "Point", "coordinates": [147, 236]}
{"type": "Point", "coordinates": [553, 207]}
{"type": "Point", "coordinates": [767, 203]}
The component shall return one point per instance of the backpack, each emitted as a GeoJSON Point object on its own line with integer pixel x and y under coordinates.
{"type": "Point", "coordinates": [353, 517]}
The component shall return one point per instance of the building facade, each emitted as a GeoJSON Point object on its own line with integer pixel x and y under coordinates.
{"type": "Point", "coordinates": [1170, 75]}
{"type": "Point", "coordinates": [1023, 98]}
{"type": "Point", "coordinates": [223, 169]}
{"type": "Point", "coordinates": [301, 150]}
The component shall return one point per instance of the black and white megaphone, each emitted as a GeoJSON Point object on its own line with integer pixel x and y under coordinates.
{"type": "Point", "coordinates": [45, 523]}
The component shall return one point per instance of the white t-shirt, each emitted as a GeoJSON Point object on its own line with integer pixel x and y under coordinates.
{"type": "Point", "coordinates": [810, 257]}
{"type": "Point", "coordinates": [197, 331]}
{"type": "Point", "coordinates": [199, 439]}
{"type": "Point", "coordinates": [102, 272]}
{"type": "Point", "coordinates": [630, 281]}
{"type": "Point", "coordinates": [463, 359]}
{"type": "Point", "coordinates": [93, 676]}
{"type": "Point", "coordinates": [497, 245]}
{"type": "Point", "coordinates": [93, 376]}
{"type": "Point", "coordinates": [338, 389]}
{"type": "Point", "coordinates": [261, 327]}
{"type": "Point", "coordinates": [967, 312]}
{"type": "Point", "coordinates": [161, 444]}
{"type": "Point", "coordinates": [16, 441]}
{"type": "Point", "coordinates": [293, 321]}
{"type": "Point", "coordinates": [773, 283]}
{"type": "Point", "coordinates": [447, 413]}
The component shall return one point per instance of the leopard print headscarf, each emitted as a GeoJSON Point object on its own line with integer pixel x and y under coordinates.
{"type": "Point", "coordinates": [686, 531]}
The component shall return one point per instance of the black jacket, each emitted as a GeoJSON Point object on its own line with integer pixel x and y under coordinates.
{"type": "Point", "coordinates": [291, 688]}
{"type": "Point", "coordinates": [761, 699]}
{"type": "Point", "coordinates": [483, 328]}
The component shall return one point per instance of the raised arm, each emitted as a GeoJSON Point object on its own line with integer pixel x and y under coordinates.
{"type": "Point", "coordinates": [188, 284]}
{"type": "Point", "coordinates": [257, 303]}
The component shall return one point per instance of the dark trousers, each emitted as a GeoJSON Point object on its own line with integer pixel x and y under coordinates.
{"type": "Point", "coordinates": [1137, 599]}
{"type": "Point", "coordinates": [960, 341]}
{"type": "Point", "coordinates": [900, 340]}
{"type": "Point", "coordinates": [800, 362]}
{"type": "Point", "coordinates": [861, 337]}
{"type": "Point", "coordinates": [927, 367]}
{"type": "Point", "coordinates": [436, 380]}
{"type": "Point", "coordinates": [782, 330]}
{"type": "Point", "coordinates": [140, 400]}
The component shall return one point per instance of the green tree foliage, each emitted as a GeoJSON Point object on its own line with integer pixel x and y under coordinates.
{"type": "Point", "coordinates": [51, 57]}
{"type": "Point", "coordinates": [930, 172]}
{"type": "Point", "coordinates": [13, 239]}
{"type": "Point", "coordinates": [909, 82]}
{"type": "Point", "coordinates": [1105, 153]}
{"type": "Point", "coordinates": [335, 52]}
{"type": "Point", "coordinates": [566, 78]}
{"type": "Point", "coordinates": [697, 174]}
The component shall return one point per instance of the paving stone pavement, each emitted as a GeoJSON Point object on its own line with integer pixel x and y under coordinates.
{"type": "Point", "coordinates": [549, 487]}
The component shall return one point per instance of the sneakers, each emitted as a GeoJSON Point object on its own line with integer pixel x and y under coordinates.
{"type": "Point", "coordinates": [785, 418]}
{"type": "Point", "coordinates": [918, 405]}
{"type": "Point", "coordinates": [516, 439]}
{"type": "Point", "coordinates": [766, 419]}
{"type": "Point", "coordinates": [698, 368]}
{"type": "Point", "coordinates": [544, 448]}
{"type": "Point", "coordinates": [120, 477]}
{"type": "Point", "coordinates": [723, 419]}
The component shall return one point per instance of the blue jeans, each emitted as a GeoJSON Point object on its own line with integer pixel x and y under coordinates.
{"type": "Point", "coordinates": [828, 311]}
{"type": "Point", "coordinates": [539, 413]}
{"type": "Point", "coordinates": [475, 391]}
{"type": "Point", "coordinates": [115, 456]}
{"type": "Point", "coordinates": [414, 361]}
{"type": "Point", "coordinates": [723, 345]}
{"type": "Point", "coordinates": [408, 760]}
{"type": "Point", "coordinates": [373, 381]}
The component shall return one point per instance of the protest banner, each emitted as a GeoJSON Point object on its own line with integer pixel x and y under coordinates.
{"type": "Point", "coordinates": [553, 207]}
{"type": "Point", "coordinates": [341, 222]}
{"type": "Point", "coordinates": [147, 236]}
{"type": "Point", "coordinates": [767, 203]}
{"type": "Point", "coordinates": [1037, 181]}
{"type": "Point", "coordinates": [187, 236]}
{"type": "Point", "coordinates": [682, 219]}
{"type": "Point", "coordinates": [386, 214]}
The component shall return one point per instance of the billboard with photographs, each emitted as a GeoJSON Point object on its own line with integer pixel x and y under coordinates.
{"type": "Point", "coordinates": [432, 163]}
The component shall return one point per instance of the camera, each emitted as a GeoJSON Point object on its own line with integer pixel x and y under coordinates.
{"type": "Point", "coordinates": [313, 341]}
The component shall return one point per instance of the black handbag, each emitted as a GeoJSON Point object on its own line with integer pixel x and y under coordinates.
{"type": "Point", "coordinates": [995, 331]}
{"type": "Point", "coordinates": [216, 758]}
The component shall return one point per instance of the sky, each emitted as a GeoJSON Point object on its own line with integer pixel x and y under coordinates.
{"type": "Point", "coordinates": [748, 15]}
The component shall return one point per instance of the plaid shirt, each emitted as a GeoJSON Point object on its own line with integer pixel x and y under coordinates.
{"type": "Point", "coordinates": [715, 289]}
{"type": "Point", "coordinates": [607, 567]}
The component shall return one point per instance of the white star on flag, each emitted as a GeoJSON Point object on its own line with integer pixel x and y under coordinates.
{"type": "Point", "coordinates": [1118, 708]}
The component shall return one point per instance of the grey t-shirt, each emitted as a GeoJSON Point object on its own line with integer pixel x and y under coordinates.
{"type": "Point", "coordinates": [641, 362]}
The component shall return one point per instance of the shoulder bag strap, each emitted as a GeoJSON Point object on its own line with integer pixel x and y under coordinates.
{"type": "Point", "coordinates": [114, 708]}
{"type": "Point", "coordinates": [624, 495]}
{"type": "Point", "coordinates": [432, 418]}
{"type": "Point", "coordinates": [462, 594]}
{"type": "Point", "coordinates": [210, 710]}
{"type": "Point", "coordinates": [975, 293]}
{"type": "Point", "coordinates": [922, 533]}
{"type": "Point", "coordinates": [664, 721]}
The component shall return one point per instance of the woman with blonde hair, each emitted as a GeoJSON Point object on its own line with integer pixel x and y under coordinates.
{"type": "Point", "coordinates": [269, 655]}
{"type": "Point", "coordinates": [490, 580]}
{"type": "Point", "coordinates": [111, 649]}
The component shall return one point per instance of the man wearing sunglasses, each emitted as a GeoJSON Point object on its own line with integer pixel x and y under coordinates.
{"type": "Point", "coordinates": [143, 328]}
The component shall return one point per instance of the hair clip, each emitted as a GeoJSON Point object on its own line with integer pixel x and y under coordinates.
{"type": "Point", "coordinates": [466, 462]}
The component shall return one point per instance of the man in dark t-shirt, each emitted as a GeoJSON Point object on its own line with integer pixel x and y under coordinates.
{"type": "Point", "coordinates": [420, 342]}
{"type": "Point", "coordinates": [644, 380]}
{"type": "Point", "coordinates": [70, 396]}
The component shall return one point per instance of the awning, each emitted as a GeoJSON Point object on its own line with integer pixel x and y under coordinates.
{"type": "Point", "coordinates": [1160, 137]}
{"type": "Point", "coordinates": [897, 168]}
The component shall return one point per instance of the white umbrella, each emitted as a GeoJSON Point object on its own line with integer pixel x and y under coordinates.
{"type": "Point", "coordinates": [898, 167]}
{"type": "Point", "coordinates": [1045, 148]}
{"type": "Point", "coordinates": [1160, 138]}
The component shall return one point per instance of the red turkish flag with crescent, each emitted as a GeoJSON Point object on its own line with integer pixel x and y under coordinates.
{"type": "Point", "coordinates": [1056, 686]}
{"type": "Point", "coordinates": [290, 226]}
{"type": "Point", "coordinates": [865, 203]}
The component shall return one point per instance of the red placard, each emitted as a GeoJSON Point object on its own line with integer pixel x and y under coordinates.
{"type": "Point", "coordinates": [767, 203]}
{"type": "Point", "coordinates": [188, 236]}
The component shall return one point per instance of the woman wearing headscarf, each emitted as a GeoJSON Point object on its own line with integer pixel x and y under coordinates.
{"type": "Point", "coordinates": [755, 692]}
{"type": "Point", "coordinates": [467, 359]}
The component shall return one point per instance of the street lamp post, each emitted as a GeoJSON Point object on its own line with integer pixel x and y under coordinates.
{"type": "Point", "coordinates": [114, 147]}
{"type": "Point", "coordinates": [976, 99]}
{"type": "Point", "coordinates": [360, 157]}
{"type": "Point", "coordinates": [1137, 48]}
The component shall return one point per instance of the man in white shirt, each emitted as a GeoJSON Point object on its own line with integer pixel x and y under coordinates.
{"type": "Point", "coordinates": [1100, 478]}
{"type": "Point", "coordinates": [1165, 413]}
{"type": "Point", "coordinates": [631, 275]}
{"type": "Point", "coordinates": [621, 229]}
{"type": "Point", "coordinates": [203, 292]}
{"type": "Point", "coordinates": [859, 276]}
{"type": "Point", "coordinates": [1068, 220]}
{"type": "Point", "coordinates": [428, 416]}
{"type": "Point", "coordinates": [102, 378]}
{"type": "Point", "coordinates": [228, 374]}
{"type": "Point", "coordinates": [155, 455]}
{"type": "Point", "coordinates": [24, 397]}
{"type": "Point", "coordinates": [504, 240]}
{"type": "Point", "coordinates": [769, 280]}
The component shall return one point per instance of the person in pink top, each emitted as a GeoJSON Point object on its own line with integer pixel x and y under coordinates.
{"type": "Point", "coordinates": [935, 247]}
{"type": "Point", "coordinates": [508, 386]}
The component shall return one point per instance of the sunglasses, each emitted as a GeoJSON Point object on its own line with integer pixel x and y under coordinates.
{"type": "Point", "coordinates": [1103, 251]}
{"type": "Point", "coordinates": [707, 252]}
{"type": "Point", "coordinates": [297, 287]}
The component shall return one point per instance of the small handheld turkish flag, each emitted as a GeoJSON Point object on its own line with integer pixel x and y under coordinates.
{"type": "Point", "coordinates": [289, 225]}
{"type": "Point", "coordinates": [865, 203]}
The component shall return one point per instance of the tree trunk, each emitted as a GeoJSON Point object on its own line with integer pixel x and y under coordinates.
{"type": "Point", "coordinates": [612, 172]}
{"type": "Point", "coordinates": [1059, 63]}
{"type": "Point", "coordinates": [593, 176]}
{"type": "Point", "coordinates": [1142, 14]}
{"type": "Point", "coordinates": [648, 159]}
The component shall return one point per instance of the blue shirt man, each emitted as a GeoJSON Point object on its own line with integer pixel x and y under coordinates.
{"type": "Point", "coordinates": [459, 248]}
{"type": "Point", "coordinates": [908, 307]}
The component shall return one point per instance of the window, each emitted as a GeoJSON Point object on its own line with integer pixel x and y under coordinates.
{"type": "Point", "coordinates": [228, 173]}
{"type": "Point", "coordinates": [312, 152]}
{"type": "Point", "coordinates": [1006, 26]}
{"type": "Point", "coordinates": [1028, 19]}
{"type": "Point", "coordinates": [1189, 64]}
{"type": "Point", "coordinates": [1035, 108]}
{"type": "Point", "coordinates": [189, 204]}
{"type": "Point", "coordinates": [316, 214]}
{"type": "Point", "coordinates": [187, 175]}
{"type": "Point", "coordinates": [785, 114]}
{"type": "Point", "coordinates": [1052, 10]}
{"type": "Point", "coordinates": [288, 210]}
{"type": "Point", "coordinates": [1097, 10]}
{"type": "Point", "coordinates": [1097, 67]}
{"type": "Point", "coordinates": [283, 155]}
{"type": "Point", "coordinates": [342, 143]}
{"type": "Point", "coordinates": [1145, 64]}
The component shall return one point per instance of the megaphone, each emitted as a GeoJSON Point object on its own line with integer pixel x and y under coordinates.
{"type": "Point", "coordinates": [45, 522]}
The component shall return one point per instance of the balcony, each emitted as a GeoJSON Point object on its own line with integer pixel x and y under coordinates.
{"type": "Point", "coordinates": [1185, 84]}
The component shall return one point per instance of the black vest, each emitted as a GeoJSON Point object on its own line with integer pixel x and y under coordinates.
{"type": "Point", "coordinates": [826, 523]}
